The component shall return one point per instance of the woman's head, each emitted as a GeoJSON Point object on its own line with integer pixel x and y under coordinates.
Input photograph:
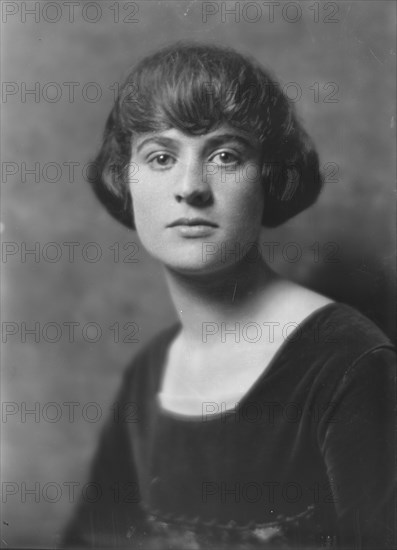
{"type": "Point", "coordinates": [196, 89]}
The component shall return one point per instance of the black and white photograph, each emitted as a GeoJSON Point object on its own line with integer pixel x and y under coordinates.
{"type": "Point", "coordinates": [198, 256]}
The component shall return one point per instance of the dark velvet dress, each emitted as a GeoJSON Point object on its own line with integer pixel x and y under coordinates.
{"type": "Point", "coordinates": [304, 460]}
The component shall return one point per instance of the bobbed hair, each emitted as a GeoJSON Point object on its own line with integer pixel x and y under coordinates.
{"type": "Point", "coordinates": [196, 88]}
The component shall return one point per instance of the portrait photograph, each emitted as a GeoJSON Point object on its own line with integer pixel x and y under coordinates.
{"type": "Point", "coordinates": [198, 255]}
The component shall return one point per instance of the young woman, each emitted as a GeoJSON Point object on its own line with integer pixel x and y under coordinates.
{"type": "Point", "coordinates": [239, 441]}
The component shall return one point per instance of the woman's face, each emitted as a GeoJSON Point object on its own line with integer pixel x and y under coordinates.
{"type": "Point", "coordinates": [197, 200]}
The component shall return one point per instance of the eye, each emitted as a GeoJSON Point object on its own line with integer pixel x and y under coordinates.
{"type": "Point", "coordinates": [161, 161]}
{"type": "Point", "coordinates": [226, 158]}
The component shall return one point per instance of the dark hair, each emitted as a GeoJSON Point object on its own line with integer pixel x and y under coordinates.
{"type": "Point", "coordinates": [196, 88]}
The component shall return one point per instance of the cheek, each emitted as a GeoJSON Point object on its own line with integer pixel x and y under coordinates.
{"type": "Point", "coordinates": [140, 207]}
{"type": "Point", "coordinates": [145, 207]}
{"type": "Point", "coordinates": [247, 203]}
{"type": "Point", "coordinates": [143, 199]}
{"type": "Point", "coordinates": [148, 207]}
{"type": "Point", "coordinates": [145, 218]}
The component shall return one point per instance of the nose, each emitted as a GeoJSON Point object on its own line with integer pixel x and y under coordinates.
{"type": "Point", "coordinates": [192, 186]}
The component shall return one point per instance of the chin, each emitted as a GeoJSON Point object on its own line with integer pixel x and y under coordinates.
{"type": "Point", "coordinates": [193, 256]}
{"type": "Point", "coordinates": [192, 266]}
{"type": "Point", "coordinates": [195, 265]}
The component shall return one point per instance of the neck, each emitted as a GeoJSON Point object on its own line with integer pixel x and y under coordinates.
{"type": "Point", "coordinates": [234, 294]}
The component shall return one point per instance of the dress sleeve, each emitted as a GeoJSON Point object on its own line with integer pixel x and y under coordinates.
{"type": "Point", "coordinates": [357, 441]}
{"type": "Point", "coordinates": [109, 515]}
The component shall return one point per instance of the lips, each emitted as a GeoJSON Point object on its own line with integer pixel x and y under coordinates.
{"type": "Point", "coordinates": [192, 222]}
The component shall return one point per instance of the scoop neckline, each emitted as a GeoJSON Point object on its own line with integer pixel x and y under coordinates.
{"type": "Point", "coordinates": [198, 418]}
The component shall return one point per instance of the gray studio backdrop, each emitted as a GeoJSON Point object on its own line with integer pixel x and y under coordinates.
{"type": "Point", "coordinates": [78, 309]}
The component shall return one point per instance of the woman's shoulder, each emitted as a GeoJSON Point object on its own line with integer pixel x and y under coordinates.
{"type": "Point", "coordinates": [337, 322]}
{"type": "Point", "coordinates": [324, 338]}
{"type": "Point", "coordinates": [148, 360]}
{"type": "Point", "coordinates": [323, 320]}
{"type": "Point", "coordinates": [338, 344]}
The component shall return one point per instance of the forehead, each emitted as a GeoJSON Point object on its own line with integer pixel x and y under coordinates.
{"type": "Point", "coordinates": [173, 136]}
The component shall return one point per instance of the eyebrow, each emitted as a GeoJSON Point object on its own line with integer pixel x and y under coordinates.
{"type": "Point", "coordinates": [160, 140]}
{"type": "Point", "coordinates": [215, 140]}
{"type": "Point", "coordinates": [245, 141]}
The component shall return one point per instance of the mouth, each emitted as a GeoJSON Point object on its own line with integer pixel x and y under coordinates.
{"type": "Point", "coordinates": [191, 222]}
